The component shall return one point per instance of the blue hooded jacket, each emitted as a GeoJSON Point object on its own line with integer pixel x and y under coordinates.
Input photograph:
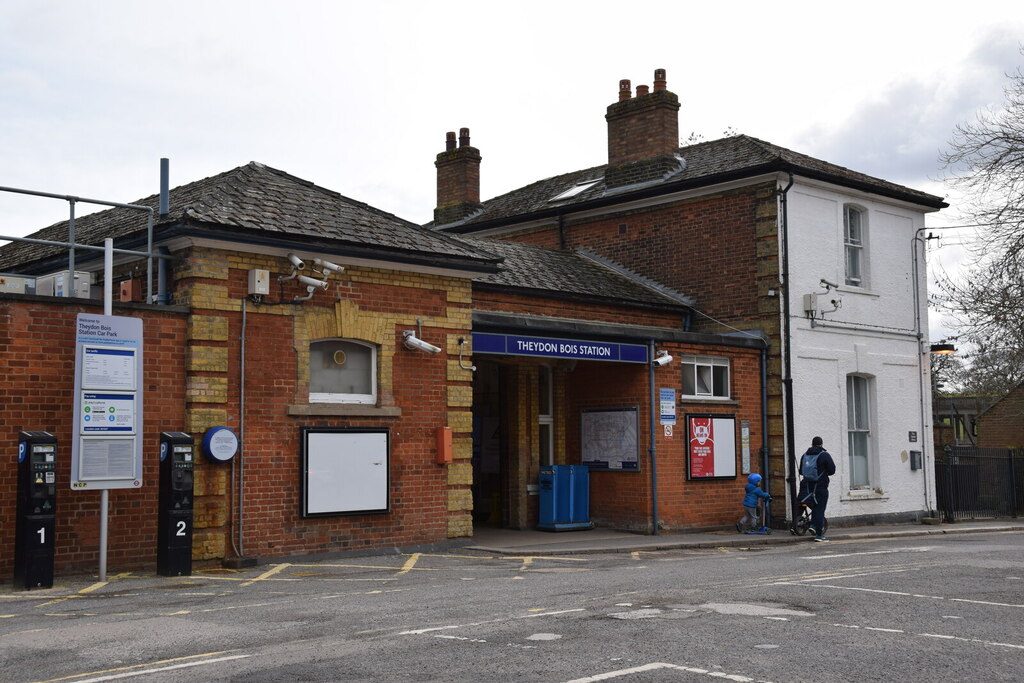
{"type": "Point", "coordinates": [753, 492]}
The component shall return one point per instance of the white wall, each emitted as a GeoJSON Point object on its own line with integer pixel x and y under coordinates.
{"type": "Point", "coordinates": [873, 333]}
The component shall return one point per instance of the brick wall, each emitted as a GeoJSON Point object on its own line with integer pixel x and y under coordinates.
{"type": "Point", "coordinates": [37, 352]}
{"type": "Point", "coordinates": [1002, 425]}
{"type": "Point", "coordinates": [417, 392]}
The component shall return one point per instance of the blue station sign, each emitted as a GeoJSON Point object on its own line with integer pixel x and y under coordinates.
{"type": "Point", "coordinates": [580, 349]}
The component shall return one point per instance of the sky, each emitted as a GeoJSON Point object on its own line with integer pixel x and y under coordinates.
{"type": "Point", "coordinates": [357, 96]}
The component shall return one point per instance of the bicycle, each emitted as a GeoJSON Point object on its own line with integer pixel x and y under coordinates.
{"type": "Point", "coordinates": [803, 522]}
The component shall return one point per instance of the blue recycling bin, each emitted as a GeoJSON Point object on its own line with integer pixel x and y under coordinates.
{"type": "Point", "coordinates": [564, 498]}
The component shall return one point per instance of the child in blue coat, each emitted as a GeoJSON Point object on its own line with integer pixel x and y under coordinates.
{"type": "Point", "coordinates": [752, 491]}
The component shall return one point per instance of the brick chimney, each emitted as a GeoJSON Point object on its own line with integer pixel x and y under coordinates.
{"type": "Point", "coordinates": [458, 179]}
{"type": "Point", "coordinates": [643, 133]}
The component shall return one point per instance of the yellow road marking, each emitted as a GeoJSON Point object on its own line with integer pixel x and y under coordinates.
{"type": "Point", "coordinates": [410, 563]}
{"type": "Point", "coordinates": [267, 574]}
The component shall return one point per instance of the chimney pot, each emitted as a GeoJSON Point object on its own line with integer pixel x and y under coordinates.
{"type": "Point", "coordinates": [463, 137]}
{"type": "Point", "coordinates": [625, 90]}
{"type": "Point", "coordinates": [641, 90]}
{"type": "Point", "coordinates": [449, 142]}
{"type": "Point", "coordinates": [659, 80]}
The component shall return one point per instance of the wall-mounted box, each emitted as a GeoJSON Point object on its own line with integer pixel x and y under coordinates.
{"type": "Point", "coordinates": [54, 284]}
{"type": "Point", "coordinates": [259, 281]}
{"type": "Point", "coordinates": [17, 284]}
{"type": "Point", "coordinates": [131, 290]}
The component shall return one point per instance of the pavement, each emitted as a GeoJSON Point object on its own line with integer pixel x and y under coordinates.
{"type": "Point", "coordinates": [590, 541]}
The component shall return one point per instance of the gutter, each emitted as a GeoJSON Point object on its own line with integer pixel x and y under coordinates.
{"type": "Point", "coordinates": [787, 359]}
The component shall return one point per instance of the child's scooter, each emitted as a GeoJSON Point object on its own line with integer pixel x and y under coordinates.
{"type": "Point", "coordinates": [764, 530]}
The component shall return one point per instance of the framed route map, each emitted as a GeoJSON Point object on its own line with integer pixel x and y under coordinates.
{"type": "Point", "coordinates": [608, 439]}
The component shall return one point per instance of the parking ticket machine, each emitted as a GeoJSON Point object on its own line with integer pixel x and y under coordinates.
{"type": "Point", "coordinates": [36, 510]}
{"type": "Point", "coordinates": [174, 533]}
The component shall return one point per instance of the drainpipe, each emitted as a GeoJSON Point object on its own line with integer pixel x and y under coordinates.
{"type": "Point", "coordinates": [561, 232]}
{"type": "Point", "coordinates": [652, 450]}
{"type": "Point", "coordinates": [787, 360]}
{"type": "Point", "coordinates": [764, 422]}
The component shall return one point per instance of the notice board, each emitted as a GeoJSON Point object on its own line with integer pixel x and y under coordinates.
{"type": "Point", "coordinates": [608, 439]}
{"type": "Point", "coordinates": [345, 471]}
{"type": "Point", "coordinates": [710, 447]}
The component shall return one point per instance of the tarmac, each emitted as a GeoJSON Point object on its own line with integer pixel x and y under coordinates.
{"type": "Point", "coordinates": [598, 540]}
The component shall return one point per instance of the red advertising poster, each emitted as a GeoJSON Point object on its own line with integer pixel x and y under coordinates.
{"type": "Point", "coordinates": [711, 446]}
{"type": "Point", "coordinates": [702, 447]}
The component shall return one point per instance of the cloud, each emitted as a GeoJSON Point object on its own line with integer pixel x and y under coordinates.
{"type": "Point", "coordinates": [898, 134]}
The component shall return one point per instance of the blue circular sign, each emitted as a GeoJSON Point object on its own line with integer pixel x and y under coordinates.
{"type": "Point", "coordinates": [220, 444]}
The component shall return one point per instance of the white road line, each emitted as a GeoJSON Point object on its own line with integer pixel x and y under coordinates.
{"type": "Point", "coordinates": [871, 552]}
{"type": "Point", "coordinates": [971, 640]}
{"type": "Point", "coordinates": [131, 674]}
{"type": "Point", "coordinates": [421, 631]}
{"type": "Point", "coordinates": [909, 595]}
{"type": "Point", "coordinates": [662, 665]}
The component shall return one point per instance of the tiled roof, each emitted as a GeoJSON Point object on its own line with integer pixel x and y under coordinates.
{"type": "Point", "coordinates": [257, 200]}
{"type": "Point", "coordinates": [705, 163]}
{"type": "Point", "coordinates": [563, 274]}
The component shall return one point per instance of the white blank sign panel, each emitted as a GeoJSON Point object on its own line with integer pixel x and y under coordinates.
{"type": "Point", "coordinates": [345, 472]}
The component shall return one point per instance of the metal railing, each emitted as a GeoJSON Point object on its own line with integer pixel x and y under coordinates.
{"type": "Point", "coordinates": [974, 483]}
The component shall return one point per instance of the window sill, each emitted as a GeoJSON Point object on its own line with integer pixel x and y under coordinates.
{"type": "Point", "coordinates": [343, 410]}
{"type": "Point", "coordinates": [854, 496]}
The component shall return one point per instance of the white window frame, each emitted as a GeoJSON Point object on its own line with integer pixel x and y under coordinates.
{"type": "Point", "coordinates": [855, 245]}
{"type": "Point", "coordinates": [860, 446]}
{"type": "Point", "coordinates": [696, 364]}
{"type": "Point", "coordinates": [332, 397]}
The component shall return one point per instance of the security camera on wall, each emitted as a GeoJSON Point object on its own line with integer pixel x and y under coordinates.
{"type": "Point", "coordinates": [313, 282]}
{"type": "Point", "coordinates": [327, 266]}
{"type": "Point", "coordinates": [296, 261]}
{"type": "Point", "coordinates": [829, 284]}
{"type": "Point", "coordinates": [662, 359]}
{"type": "Point", "coordinates": [412, 342]}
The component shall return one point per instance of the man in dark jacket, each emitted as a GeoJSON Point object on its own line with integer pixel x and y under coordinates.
{"type": "Point", "coordinates": [816, 466]}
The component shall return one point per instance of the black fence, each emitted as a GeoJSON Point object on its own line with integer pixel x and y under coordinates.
{"type": "Point", "coordinates": [973, 483]}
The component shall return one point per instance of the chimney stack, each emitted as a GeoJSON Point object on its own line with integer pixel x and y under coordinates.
{"type": "Point", "coordinates": [458, 179]}
{"type": "Point", "coordinates": [643, 133]}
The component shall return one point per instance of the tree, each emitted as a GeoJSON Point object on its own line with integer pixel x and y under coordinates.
{"type": "Point", "coordinates": [985, 160]}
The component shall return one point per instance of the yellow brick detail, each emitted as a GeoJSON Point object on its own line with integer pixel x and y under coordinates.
{"type": "Point", "coordinates": [208, 544]}
{"type": "Point", "coordinates": [201, 419]}
{"type": "Point", "coordinates": [210, 480]}
{"type": "Point", "coordinates": [462, 448]}
{"type": "Point", "coordinates": [460, 421]}
{"type": "Point", "coordinates": [208, 359]}
{"type": "Point", "coordinates": [206, 263]}
{"type": "Point", "coordinates": [460, 474]}
{"type": "Point", "coordinates": [207, 328]}
{"type": "Point", "coordinates": [460, 526]}
{"type": "Point", "coordinates": [206, 389]}
{"type": "Point", "coordinates": [460, 396]}
{"type": "Point", "coordinates": [210, 513]}
{"type": "Point", "coordinates": [460, 499]}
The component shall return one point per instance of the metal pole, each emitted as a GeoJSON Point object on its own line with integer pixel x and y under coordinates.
{"type": "Point", "coordinates": [654, 459]}
{"type": "Point", "coordinates": [69, 279]}
{"type": "Point", "coordinates": [108, 308]}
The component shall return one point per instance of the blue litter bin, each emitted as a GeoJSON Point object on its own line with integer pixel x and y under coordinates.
{"type": "Point", "coordinates": [564, 498]}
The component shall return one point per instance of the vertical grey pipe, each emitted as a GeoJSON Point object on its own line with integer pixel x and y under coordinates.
{"type": "Point", "coordinates": [69, 279]}
{"type": "Point", "coordinates": [765, 471]}
{"type": "Point", "coordinates": [165, 182]}
{"type": "Point", "coordinates": [149, 256]}
{"type": "Point", "coordinates": [241, 435]}
{"type": "Point", "coordinates": [787, 370]}
{"type": "Point", "coordinates": [654, 459]}
{"type": "Point", "coordinates": [163, 297]}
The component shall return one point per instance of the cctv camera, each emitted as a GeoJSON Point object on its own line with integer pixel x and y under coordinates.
{"type": "Point", "coordinates": [313, 282]}
{"type": "Point", "coordinates": [411, 342]}
{"type": "Point", "coordinates": [296, 261]}
{"type": "Point", "coordinates": [327, 265]}
{"type": "Point", "coordinates": [662, 359]}
{"type": "Point", "coordinates": [829, 283]}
